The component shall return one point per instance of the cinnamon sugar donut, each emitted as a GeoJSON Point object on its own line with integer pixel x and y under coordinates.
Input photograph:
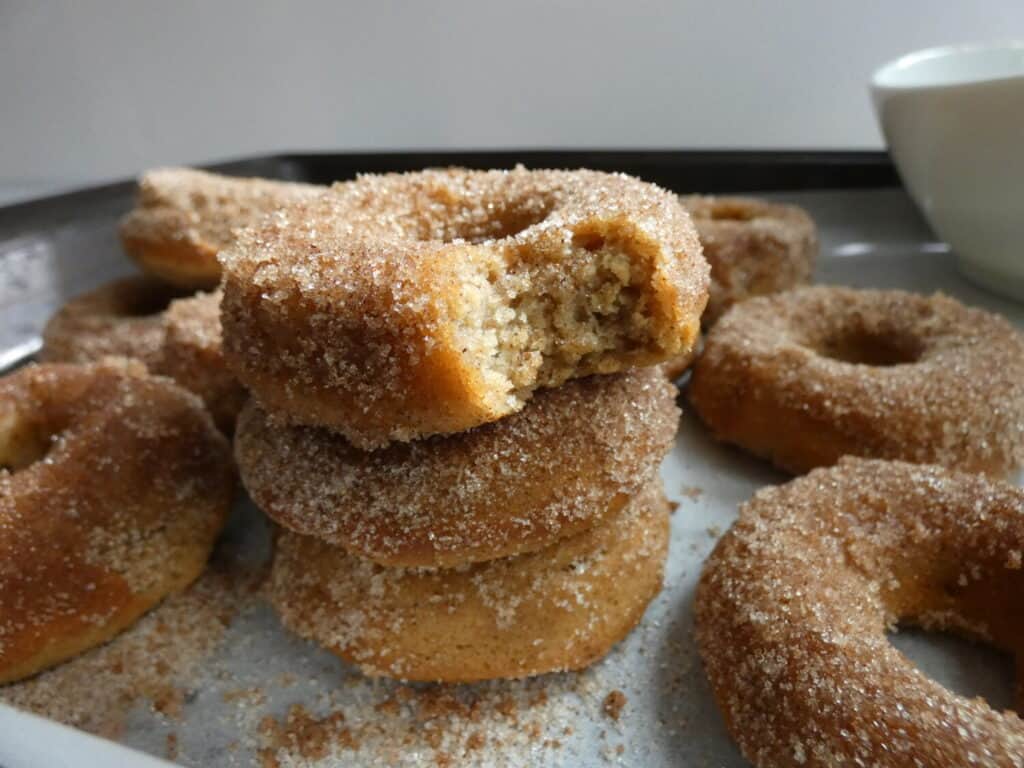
{"type": "Point", "coordinates": [561, 608]}
{"type": "Point", "coordinates": [184, 217]}
{"type": "Point", "coordinates": [113, 486]}
{"type": "Point", "coordinates": [794, 603]}
{"type": "Point", "coordinates": [805, 377]}
{"type": "Point", "coordinates": [680, 364]}
{"type": "Point", "coordinates": [754, 248]}
{"type": "Point", "coordinates": [571, 458]}
{"type": "Point", "coordinates": [192, 354]}
{"type": "Point", "coordinates": [122, 318]}
{"type": "Point", "coordinates": [405, 305]}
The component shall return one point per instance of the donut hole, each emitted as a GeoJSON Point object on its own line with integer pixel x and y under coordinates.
{"type": "Point", "coordinates": [146, 300]}
{"type": "Point", "coordinates": [23, 442]}
{"type": "Point", "coordinates": [861, 346]}
{"type": "Point", "coordinates": [727, 211]}
{"type": "Point", "coordinates": [967, 626]}
{"type": "Point", "coordinates": [481, 225]}
{"type": "Point", "coordinates": [964, 666]}
{"type": "Point", "coordinates": [540, 318]}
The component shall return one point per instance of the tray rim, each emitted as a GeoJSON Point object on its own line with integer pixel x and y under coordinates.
{"type": "Point", "coordinates": [731, 170]}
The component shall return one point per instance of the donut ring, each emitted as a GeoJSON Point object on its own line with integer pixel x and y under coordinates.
{"type": "Point", "coordinates": [754, 247]}
{"type": "Point", "coordinates": [113, 486]}
{"type": "Point", "coordinates": [121, 319]}
{"type": "Point", "coordinates": [184, 217]}
{"type": "Point", "coordinates": [400, 306]}
{"type": "Point", "coordinates": [558, 609]}
{"type": "Point", "coordinates": [571, 458]}
{"type": "Point", "coordinates": [192, 354]}
{"type": "Point", "coordinates": [805, 377]}
{"type": "Point", "coordinates": [680, 364]}
{"type": "Point", "coordinates": [793, 606]}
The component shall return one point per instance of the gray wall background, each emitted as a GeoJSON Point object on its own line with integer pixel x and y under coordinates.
{"type": "Point", "coordinates": [94, 90]}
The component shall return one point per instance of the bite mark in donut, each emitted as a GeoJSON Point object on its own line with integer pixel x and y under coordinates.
{"type": "Point", "coordinates": [400, 306]}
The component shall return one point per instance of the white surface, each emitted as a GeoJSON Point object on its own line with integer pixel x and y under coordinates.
{"type": "Point", "coordinates": [869, 238]}
{"type": "Point", "coordinates": [27, 741]}
{"type": "Point", "coordinates": [954, 122]}
{"type": "Point", "coordinates": [98, 90]}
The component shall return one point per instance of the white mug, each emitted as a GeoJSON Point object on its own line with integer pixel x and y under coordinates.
{"type": "Point", "coordinates": [954, 121]}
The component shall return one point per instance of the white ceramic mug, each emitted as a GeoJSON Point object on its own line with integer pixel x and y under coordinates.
{"type": "Point", "coordinates": [954, 121]}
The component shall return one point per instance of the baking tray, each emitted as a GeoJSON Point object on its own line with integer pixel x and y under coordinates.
{"type": "Point", "coordinates": [209, 679]}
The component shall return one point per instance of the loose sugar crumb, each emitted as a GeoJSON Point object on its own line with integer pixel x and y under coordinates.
{"type": "Point", "coordinates": [614, 703]}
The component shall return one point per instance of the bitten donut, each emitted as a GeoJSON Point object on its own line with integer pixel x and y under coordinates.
{"type": "Point", "coordinates": [123, 319]}
{"type": "Point", "coordinates": [680, 364]}
{"type": "Point", "coordinates": [184, 217]}
{"type": "Point", "coordinates": [192, 355]}
{"type": "Point", "coordinates": [805, 377]}
{"type": "Point", "coordinates": [793, 607]}
{"type": "Point", "coordinates": [400, 306]}
{"type": "Point", "coordinates": [571, 458]}
{"type": "Point", "coordinates": [561, 608]}
{"type": "Point", "coordinates": [113, 486]}
{"type": "Point", "coordinates": [754, 248]}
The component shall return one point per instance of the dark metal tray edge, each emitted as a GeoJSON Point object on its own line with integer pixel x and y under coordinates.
{"type": "Point", "coordinates": [712, 171]}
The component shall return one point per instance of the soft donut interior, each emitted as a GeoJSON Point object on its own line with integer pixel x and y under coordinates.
{"type": "Point", "coordinates": [538, 318]}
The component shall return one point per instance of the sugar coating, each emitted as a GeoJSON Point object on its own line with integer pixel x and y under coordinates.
{"type": "Point", "coordinates": [754, 247]}
{"type": "Point", "coordinates": [573, 456]}
{"type": "Point", "coordinates": [155, 662]}
{"type": "Point", "coordinates": [192, 354]}
{"type": "Point", "coordinates": [122, 318]}
{"type": "Point", "coordinates": [807, 376]}
{"type": "Point", "coordinates": [113, 486]}
{"type": "Point", "coordinates": [183, 217]}
{"type": "Point", "coordinates": [400, 306]}
{"type": "Point", "coordinates": [794, 603]}
{"type": "Point", "coordinates": [680, 364]}
{"type": "Point", "coordinates": [560, 608]}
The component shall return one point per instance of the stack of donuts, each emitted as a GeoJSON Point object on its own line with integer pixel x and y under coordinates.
{"type": "Point", "coordinates": [458, 407]}
{"type": "Point", "coordinates": [457, 414]}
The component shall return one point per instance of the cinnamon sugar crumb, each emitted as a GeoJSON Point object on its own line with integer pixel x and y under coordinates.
{"type": "Point", "coordinates": [691, 492]}
{"type": "Point", "coordinates": [614, 703]}
{"type": "Point", "coordinates": [172, 745]}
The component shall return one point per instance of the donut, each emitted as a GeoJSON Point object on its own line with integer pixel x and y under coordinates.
{"type": "Point", "coordinates": [184, 217]}
{"type": "Point", "coordinates": [561, 608]}
{"type": "Point", "coordinates": [193, 356]}
{"type": "Point", "coordinates": [793, 606]}
{"type": "Point", "coordinates": [404, 305]}
{"type": "Point", "coordinates": [113, 486]}
{"type": "Point", "coordinates": [571, 458]}
{"type": "Point", "coordinates": [680, 364]}
{"type": "Point", "coordinates": [121, 319]}
{"type": "Point", "coordinates": [805, 377]}
{"type": "Point", "coordinates": [754, 248]}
